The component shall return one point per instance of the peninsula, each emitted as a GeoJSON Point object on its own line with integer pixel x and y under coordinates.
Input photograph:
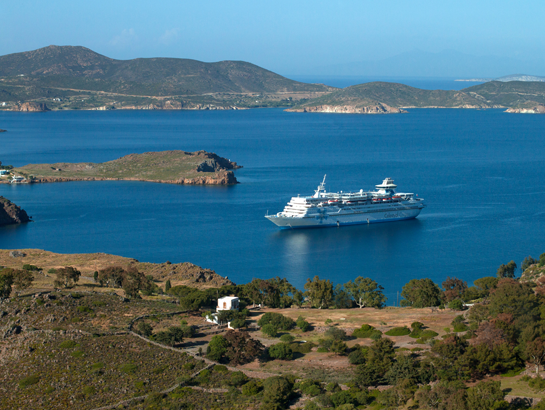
{"type": "Point", "coordinates": [11, 214]}
{"type": "Point", "coordinates": [172, 167]}
{"type": "Point", "coordinates": [391, 98]}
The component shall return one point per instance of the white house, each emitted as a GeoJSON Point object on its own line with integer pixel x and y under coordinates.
{"type": "Point", "coordinates": [227, 303]}
{"type": "Point", "coordinates": [4, 172]}
{"type": "Point", "coordinates": [224, 303]}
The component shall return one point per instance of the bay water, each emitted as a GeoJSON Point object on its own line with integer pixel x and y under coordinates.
{"type": "Point", "coordinates": [482, 173]}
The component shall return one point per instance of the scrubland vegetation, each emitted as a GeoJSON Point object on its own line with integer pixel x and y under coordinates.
{"type": "Point", "coordinates": [130, 341]}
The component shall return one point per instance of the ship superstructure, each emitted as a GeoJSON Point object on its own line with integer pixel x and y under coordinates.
{"type": "Point", "coordinates": [348, 208]}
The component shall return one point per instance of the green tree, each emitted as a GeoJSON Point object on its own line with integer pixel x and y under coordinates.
{"type": "Point", "coordinates": [319, 292]}
{"type": "Point", "coordinates": [145, 329]}
{"type": "Point", "coordinates": [276, 392]}
{"type": "Point", "coordinates": [241, 348]}
{"type": "Point", "coordinates": [486, 284]}
{"type": "Point", "coordinates": [366, 292]}
{"type": "Point", "coordinates": [167, 286]}
{"type": "Point", "coordinates": [535, 351]}
{"type": "Point", "coordinates": [6, 280]}
{"type": "Point", "coordinates": [486, 396]}
{"type": "Point", "coordinates": [22, 279]}
{"type": "Point", "coordinates": [527, 262]}
{"type": "Point", "coordinates": [516, 299]}
{"type": "Point", "coordinates": [281, 351]}
{"type": "Point", "coordinates": [453, 288]}
{"type": "Point", "coordinates": [217, 348]}
{"type": "Point", "coordinates": [380, 358]}
{"type": "Point", "coordinates": [67, 277]}
{"type": "Point", "coordinates": [478, 313]}
{"type": "Point", "coordinates": [270, 330]}
{"type": "Point", "coordinates": [421, 293]}
{"type": "Point", "coordinates": [341, 298]}
{"type": "Point", "coordinates": [507, 271]}
{"type": "Point", "coordinates": [134, 282]}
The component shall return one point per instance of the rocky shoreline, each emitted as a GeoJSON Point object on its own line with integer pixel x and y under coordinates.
{"type": "Point", "coordinates": [11, 214]}
{"type": "Point", "coordinates": [350, 109]}
{"type": "Point", "coordinates": [538, 109]}
{"type": "Point", "coordinates": [221, 178]}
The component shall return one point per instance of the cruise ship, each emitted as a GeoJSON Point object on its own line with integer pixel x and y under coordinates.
{"type": "Point", "coordinates": [348, 208]}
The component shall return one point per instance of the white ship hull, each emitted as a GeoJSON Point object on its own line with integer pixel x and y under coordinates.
{"type": "Point", "coordinates": [349, 208]}
{"type": "Point", "coordinates": [342, 219]}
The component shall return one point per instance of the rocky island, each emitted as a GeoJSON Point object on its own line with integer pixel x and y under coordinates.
{"type": "Point", "coordinates": [172, 167]}
{"type": "Point", "coordinates": [10, 213]}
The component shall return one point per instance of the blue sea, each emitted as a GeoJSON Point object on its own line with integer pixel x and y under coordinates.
{"type": "Point", "coordinates": [482, 174]}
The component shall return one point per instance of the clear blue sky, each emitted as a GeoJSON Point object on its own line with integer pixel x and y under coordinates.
{"type": "Point", "coordinates": [288, 37]}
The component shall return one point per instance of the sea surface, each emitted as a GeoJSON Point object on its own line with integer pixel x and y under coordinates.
{"type": "Point", "coordinates": [482, 173]}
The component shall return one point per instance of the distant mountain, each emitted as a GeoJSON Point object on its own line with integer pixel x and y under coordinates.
{"type": "Point", "coordinates": [79, 68]}
{"type": "Point", "coordinates": [506, 78]}
{"type": "Point", "coordinates": [447, 63]}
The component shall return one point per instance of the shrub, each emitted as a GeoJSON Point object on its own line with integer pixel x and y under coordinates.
{"type": "Point", "coordinates": [269, 330]}
{"type": "Point", "coordinates": [357, 357]}
{"type": "Point", "coordinates": [375, 335]}
{"type": "Point", "coordinates": [217, 348]}
{"type": "Point", "coordinates": [287, 338]}
{"type": "Point", "coordinates": [333, 387]}
{"type": "Point", "coordinates": [335, 333]}
{"type": "Point", "coordinates": [237, 379]}
{"type": "Point", "coordinates": [323, 350]}
{"type": "Point", "coordinates": [417, 325]}
{"type": "Point", "coordinates": [145, 329]}
{"type": "Point", "coordinates": [366, 332]}
{"type": "Point", "coordinates": [302, 348]}
{"type": "Point", "coordinates": [456, 304]}
{"type": "Point", "coordinates": [128, 368]}
{"type": "Point", "coordinates": [28, 381]}
{"type": "Point", "coordinates": [68, 344]}
{"type": "Point", "coordinates": [219, 368]}
{"type": "Point", "coordinates": [237, 323]}
{"type": "Point", "coordinates": [280, 321]}
{"type": "Point", "coordinates": [77, 353]}
{"type": "Point", "coordinates": [251, 388]}
{"type": "Point", "coordinates": [310, 387]}
{"type": "Point", "coordinates": [537, 384]}
{"type": "Point", "coordinates": [191, 366]}
{"type": "Point", "coordinates": [398, 331]}
{"type": "Point", "coordinates": [328, 321]}
{"type": "Point", "coordinates": [303, 324]}
{"type": "Point", "coordinates": [85, 309]}
{"type": "Point", "coordinates": [276, 391]}
{"type": "Point", "coordinates": [89, 390]}
{"type": "Point", "coordinates": [460, 327]}
{"type": "Point", "coordinates": [281, 351]}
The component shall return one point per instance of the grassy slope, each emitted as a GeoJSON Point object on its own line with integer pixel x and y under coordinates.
{"type": "Point", "coordinates": [88, 263]}
{"type": "Point", "coordinates": [150, 166]}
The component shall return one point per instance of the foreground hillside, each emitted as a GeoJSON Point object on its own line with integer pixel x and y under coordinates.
{"type": "Point", "coordinates": [75, 73]}
{"type": "Point", "coordinates": [121, 339]}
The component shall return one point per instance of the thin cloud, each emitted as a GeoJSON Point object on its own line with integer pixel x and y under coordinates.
{"type": "Point", "coordinates": [169, 36]}
{"type": "Point", "coordinates": [127, 37]}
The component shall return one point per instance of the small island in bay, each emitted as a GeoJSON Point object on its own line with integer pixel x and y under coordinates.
{"type": "Point", "coordinates": [173, 167]}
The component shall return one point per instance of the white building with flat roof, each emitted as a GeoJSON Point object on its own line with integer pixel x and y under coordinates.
{"type": "Point", "coordinates": [227, 303]}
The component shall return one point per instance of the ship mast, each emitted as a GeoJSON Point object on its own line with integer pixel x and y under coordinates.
{"type": "Point", "coordinates": [321, 188]}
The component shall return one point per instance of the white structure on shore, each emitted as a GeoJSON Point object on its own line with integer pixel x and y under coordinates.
{"type": "Point", "coordinates": [224, 303]}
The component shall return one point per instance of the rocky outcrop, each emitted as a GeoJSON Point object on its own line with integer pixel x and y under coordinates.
{"type": "Point", "coordinates": [30, 107]}
{"type": "Point", "coordinates": [538, 109]}
{"type": "Point", "coordinates": [10, 213]}
{"type": "Point", "coordinates": [2, 130]}
{"type": "Point", "coordinates": [214, 163]}
{"type": "Point", "coordinates": [378, 108]}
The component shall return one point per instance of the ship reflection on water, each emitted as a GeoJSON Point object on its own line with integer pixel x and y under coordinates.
{"type": "Point", "coordinates": [374, 251]}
